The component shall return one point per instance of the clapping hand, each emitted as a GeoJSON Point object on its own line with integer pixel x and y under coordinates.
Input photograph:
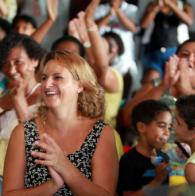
{"type": "Point", "coordinates": [53, 157]}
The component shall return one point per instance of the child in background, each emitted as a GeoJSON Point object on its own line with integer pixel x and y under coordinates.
{"type": "Point", "coordinates": [151, 119]}
{"type": "Point", "coordinates": [185, 131]}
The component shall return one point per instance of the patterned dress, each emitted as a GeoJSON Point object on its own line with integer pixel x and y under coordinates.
{"type": "Point", "coordinates": [37, 174]}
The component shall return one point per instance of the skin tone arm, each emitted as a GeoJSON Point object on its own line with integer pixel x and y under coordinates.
{"type": "Point", "coordinates": [6, 102]}
{"type": "Point", "coordinates": [125, 21]}
{"type": "Point", "coordinates": [104, 166]}
{"type": "Point", "coordinates": [13, 178]}
{"type": "Point", "coordinates": [149, 92]}
{"type": "Point", "coordinates": [189, 174]}
{"type": "Point", "coordinates": [150, 14]}
{"type": "Point", "coordinates": [115, 10]}
{"type": "Point", "coordinates": [52, 9]}
{"type": "Point", "coordinates": [105, 75]}
{"type": "Point", "coordinates": [3, 8]}
{"type": "Point", "coordinates": [20, 102]}
{"type": "Point", "coordinates": [77, 28]}
{"type": "Point", "coordinates": [184, 85]}
{"type": "Point", "coordinates": [105, 20]}
{"type": "Point", "coordinates": [186, 15]}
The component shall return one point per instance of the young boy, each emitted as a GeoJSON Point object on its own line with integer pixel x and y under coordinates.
{"type": "Point", "coordinates": [151, 120]}
{"type": "Point", "coordinates": [185, 131]}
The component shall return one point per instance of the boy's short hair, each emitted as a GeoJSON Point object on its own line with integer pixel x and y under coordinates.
{"type": "Point", "coordinates": [14, 40]}
{"type": "Point", "coordinates": [26, 18]}
{"type": "Point", "coordinates": [185, 106]}
{"type": "Point", "coordinates": [147, 111]}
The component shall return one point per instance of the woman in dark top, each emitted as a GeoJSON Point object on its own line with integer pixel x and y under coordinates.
{"type": "Point", "coordinates": [67, 149]}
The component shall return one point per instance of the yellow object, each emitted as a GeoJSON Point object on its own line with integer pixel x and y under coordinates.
{"type": "Point", "coordinates": [113, 100]}
{"type": "Point", "coordinates": [119, 146]}
{"type": "Point", "coordinates": [177, 180]}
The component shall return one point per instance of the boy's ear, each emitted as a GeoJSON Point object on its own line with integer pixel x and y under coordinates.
{"type": "Point", "coordinates": [140, 127]}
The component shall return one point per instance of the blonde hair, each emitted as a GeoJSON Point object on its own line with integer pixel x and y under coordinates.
{"type": "Point", "coordinates": [91, 99]}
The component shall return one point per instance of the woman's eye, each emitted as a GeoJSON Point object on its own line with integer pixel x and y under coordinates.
{"type": "Point", "coordinates": [162, 126]}
{"type": "Point", "coordinates": [18, 62]}
{"type": "Point", "coordinates": [58, 77]}
{"type": "Point", "coordinates": [43, 78]}
{"type": "Point", "coordinates": [185, 55]}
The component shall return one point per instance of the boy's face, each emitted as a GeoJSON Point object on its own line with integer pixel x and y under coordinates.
{"type": "Point", "coordinates": [183, 134]}
{"type": "Point", "coordinates": [24, 27]}
{"type": "Point", "coordinates": [157, 133]}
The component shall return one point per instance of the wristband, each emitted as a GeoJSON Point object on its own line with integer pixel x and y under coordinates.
{"type": "Point", "coordinates": [87, 44]}
{"type": "Point", "coordinates": [92, 28]}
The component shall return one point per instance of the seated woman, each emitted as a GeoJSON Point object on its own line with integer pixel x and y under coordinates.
{"type": "Point", "coordinates": [67, 149]}
{"type": "Point", "coordinates": [19, 55]}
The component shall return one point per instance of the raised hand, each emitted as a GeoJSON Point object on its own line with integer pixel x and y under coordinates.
{"type": "Point", "coordinates": [116, 4]}
{"type": "Point", "coordinates": [89, 12]}
{"type": "Point", "coordinates": [172, 72]}
{"type": "Point", "coordinates": [72, 29]}
{"type": "Point", "coordinates": [52, 9]}
{"type": "Point", "coordinates": [81, 27]}
{"type": "Point", "coordinates": [184, 84]}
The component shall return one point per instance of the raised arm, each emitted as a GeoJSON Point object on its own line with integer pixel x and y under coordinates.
{"type": "Point", "coordinates": [77, 28]}
{"type": "Point", "coordinates": [14, 169]}
{"type": "Point", "coordinates": [105, 75]}
{"type": "Point", "coordinates": [104, 20]}
{"type": "Point", "coordinates": [150, 13]}
{"type": "Point", "coordinates": [125, 21]}
{"type": "Point", "coordinates": [185, 14]}
{"type": "Point", "coordinates": [52, 7]}
{"type": "Point", "coordinates": [171, 77]}
{"type": "Point", "coordinates": [3, 9]}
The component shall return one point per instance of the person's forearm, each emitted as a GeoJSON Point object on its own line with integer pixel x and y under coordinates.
{"type": "Point", "coordinates": [149, 16]}
{"type": "Point", "coordinates": [104, 20]}
{"type": "Point", "coordinates": [79, 184]}
{"type": "Point", "coordinates": [47, 188]}
{"type": "Point", "coordinates": [22, 111]}
{"type": "Point", "coordinates": [99, 53]}
{"type": "Point", "coordinates": [185, 15]}
{"type": "Point", "coordinates": [125, 21]}
{"type": "Point", "coordinates": [3, 8]}
{"type": "Point", "coordinates": [40, 33]}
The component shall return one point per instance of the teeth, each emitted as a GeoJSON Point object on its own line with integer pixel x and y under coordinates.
{"type": "Point", "coordinates": [50, 93]}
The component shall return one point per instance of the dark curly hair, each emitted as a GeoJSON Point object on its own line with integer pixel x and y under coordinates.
{"type": "Point", "coordinates": [13, 40]}
{"type": "Point", "coordinates": [117, 38]}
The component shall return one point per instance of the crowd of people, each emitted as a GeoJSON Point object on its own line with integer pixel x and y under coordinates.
{"type": "Point", "coordinates": [73, 120]}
